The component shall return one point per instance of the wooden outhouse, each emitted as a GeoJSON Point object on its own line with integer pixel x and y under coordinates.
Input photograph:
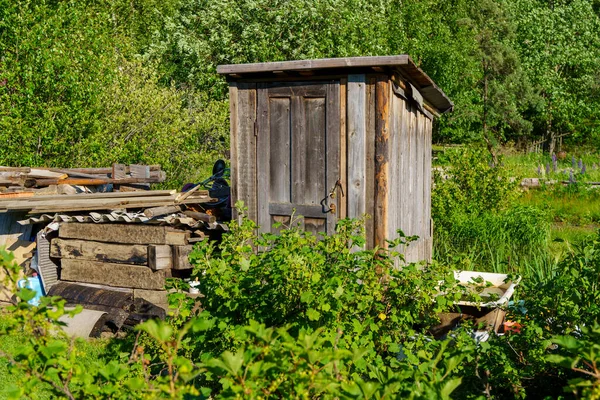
{"type": "Point", "coordinates": [336, 138]}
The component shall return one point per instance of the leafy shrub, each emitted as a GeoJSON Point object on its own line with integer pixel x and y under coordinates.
{"type": "Point", "coordinates": [303, 316]}
{"type": "Point", "coordinates": [471, 185]}
{"type": "Point", "coordinates": [478, 221]}
{"type": "Point", "coordinates": [367, 340]}
{"type": "Point", "coordinates": [320, 282]}
{"type": "Point", "coordinates": [582, 355]}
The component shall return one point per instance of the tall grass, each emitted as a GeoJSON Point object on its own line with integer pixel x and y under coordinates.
{"type": "Point", "coordinates": [516, 240]}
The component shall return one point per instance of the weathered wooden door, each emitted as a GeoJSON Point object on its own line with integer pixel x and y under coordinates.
{"type": "Point", "coordinates": [298, 153]}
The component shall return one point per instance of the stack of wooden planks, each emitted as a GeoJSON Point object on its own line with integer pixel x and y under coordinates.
{"type": "Point", "coordinates": [132, 257]}
{"type": "Point", "coordinates": [41, 203]}
{"type": "Point", "coordinates": [24, 181]}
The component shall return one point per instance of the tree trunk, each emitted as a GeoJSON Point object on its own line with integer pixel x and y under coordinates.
{"type": "Point", "coordinates": [486, 137]}
{"type": "Point", "coordinates": [550, 134]}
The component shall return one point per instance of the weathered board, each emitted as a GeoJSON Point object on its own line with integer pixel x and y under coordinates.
{"type": "Point", "coordinates": [123, 233]}
{"type": "Point", "coordinates": [110, 274]}
{"type": "Point", "coordinates": [98, 251]}
{"type": "Point", "coordinates": [158, 297]}
{"type": "Point", "coordinates": [181, 255]}
{"type": "Point", "coordinates": [243, 146]}
{"type": "Point", "coordinates": [357, 145]}
{"type": "Point", "coordinates": [410, 177]}
{"type": "Point", "coordinates": [159, 256]}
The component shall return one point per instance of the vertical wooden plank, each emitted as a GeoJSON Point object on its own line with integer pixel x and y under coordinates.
{"type": "Point", "coordinates": [404, 162]}
{"type": "Point", "coordinates": [263, 158]}
{"type": "Point", "coordinates": [343, 203]}
{"type": "Point", "coordinates": [315, 184]}
{"type": "Point", "coordinates": [333, 147]}
{"type": "Point", "coordinates": [298, 149]}
{"type": "Point", "coordinates": [370, 163]}
{"type": "Point", "coordinates": [382, 134]}
{"type": "Point", "coordinates": [233, 144]}
{"type": "Point", "coordinates": [427, 179]}
{"type": "Point", "coordinates": [118, 171]}
{"type": "Point", "coordinates": [393, 169]}
{"type": "Point", "coordinates": [409, 188]}
{"type": "Point", "coordinates": [140, 171]}
{"type": "Point", "coordinates": [279, 133]}
{"type": "Point", "coordinates": [357, 145]}
{"type": "Point", "coordinates": [246, 148]}
{"type": "Point", "coordinates": [419, 183]}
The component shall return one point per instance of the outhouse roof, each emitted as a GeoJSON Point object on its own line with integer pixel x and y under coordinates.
{"type": "Point", "coordinates": [401, 63]}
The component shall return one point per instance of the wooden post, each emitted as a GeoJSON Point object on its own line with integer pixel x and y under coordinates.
{"type": "Point", "coordinates": [382, 136]}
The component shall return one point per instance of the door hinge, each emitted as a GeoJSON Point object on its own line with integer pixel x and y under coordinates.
{"type": "Point", "coordinates": [255, 128]}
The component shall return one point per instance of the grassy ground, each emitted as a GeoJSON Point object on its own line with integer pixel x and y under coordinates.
{"type": "Point", "coordinates": [89, 351]}
{"type": "Point", "coordinates": [574, 209]}
{"type": "Point", "coordinates": [573, 212]}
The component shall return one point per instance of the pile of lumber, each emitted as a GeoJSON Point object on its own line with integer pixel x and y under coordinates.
{"type": "Point", "coordinates": [42, 203]}
{"type": "Point", "coordinates": [133, 258]}
{"type": "Point", "coordinates": [19, 180]}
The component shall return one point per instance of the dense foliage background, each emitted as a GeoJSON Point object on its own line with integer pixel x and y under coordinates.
{"type": "Point", "coordinates": [97, 81]}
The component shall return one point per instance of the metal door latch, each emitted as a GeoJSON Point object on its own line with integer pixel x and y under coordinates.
{"type": "Point", "coordinates": [331, 208]}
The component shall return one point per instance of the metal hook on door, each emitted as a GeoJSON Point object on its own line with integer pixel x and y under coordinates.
{"type": "Point", "coordinates": [331, 208]}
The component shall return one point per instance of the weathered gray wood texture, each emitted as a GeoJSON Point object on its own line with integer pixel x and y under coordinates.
{"type": "Point", "coordinates": [292, 140]}
{"type": "Point", "coordinates": [120, 275]}
{"type": "Point", "coordinates": [98, 251]}
{"type": "Point", "coordinates": [242, 105]}
{"type": "Point", "coordinates": [410, 177]}
{"type": "Point", "coordinates": [357, 145]}
{"type": "Point", "coordinates": [298, 153]}
{"type": "Point", "coordinates": [124, 233]}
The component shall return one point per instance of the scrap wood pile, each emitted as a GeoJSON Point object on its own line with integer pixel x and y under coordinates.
{"type": "Point", "coordinates": [26, 181]}
{"type": "Point", "coordinates": [118, 269]}
{"type": "Point", "coordinates": [116, 194]}
{"type": "Point", "coordinates": [104, 236]}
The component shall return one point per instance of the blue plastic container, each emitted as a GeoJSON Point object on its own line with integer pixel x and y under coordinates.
{"type": "Point", "coordinates": [33, 283]}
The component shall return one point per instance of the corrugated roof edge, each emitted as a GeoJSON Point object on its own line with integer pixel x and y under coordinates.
{"type": "Point", "coordinates": [430, 91]}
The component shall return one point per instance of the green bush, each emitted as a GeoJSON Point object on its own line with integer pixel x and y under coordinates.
{"type": "Point", "coordinates": [287, 317]}
{"type": "Point", "coordinates": [479, 222]}
{"type": "Point", "coordinates": [301, 317]}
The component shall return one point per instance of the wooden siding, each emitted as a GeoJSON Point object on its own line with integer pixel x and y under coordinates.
{"type": "Point", "coordinates": [410, 177]}
{"type": "Point", "coordinates": [381, 154]}
{"type": "Point", "coordinates": [242, 104]}
{"type": "Point", "coordinates": [357, 146]}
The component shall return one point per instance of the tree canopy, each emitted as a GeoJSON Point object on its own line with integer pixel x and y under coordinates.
{"type": "Point", "coordinates": [97, 81]}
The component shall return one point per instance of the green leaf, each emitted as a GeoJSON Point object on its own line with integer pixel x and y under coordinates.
{"type": "Point", "coordinates": [449, 387]}
{"type": "Point", "coordinates": [568, 342]}
{"type": "Point", "coordinates": [53, 348]}
{"type": "Point", "coordinates": [233, 362]}
{"type": "Point", "coordinates": [159, 330]}
{"type": "Point", "coordinates": [316, 277]}
{"type": "Point", "coordinates": [307, 297]}
{"type": "Point", "coordinates": [244, 264]}
{"type": "Point", "coordinates": [136, 383]}
{"type": "Point", "coordinates": [201, 324]}
{"type": "Point", "coordinates": [313, 314]}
